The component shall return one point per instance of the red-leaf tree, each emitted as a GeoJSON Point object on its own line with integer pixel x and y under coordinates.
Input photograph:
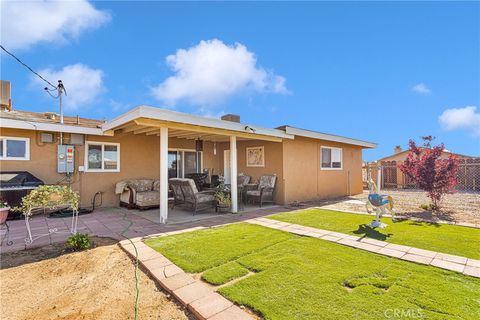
{"type": "Point", "coordinates": [430, 172]}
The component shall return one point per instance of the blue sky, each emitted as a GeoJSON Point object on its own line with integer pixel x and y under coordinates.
{"type": "Point", "coordinates": [378, 71]}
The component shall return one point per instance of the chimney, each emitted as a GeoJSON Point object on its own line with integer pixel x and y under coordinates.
{"type": "Point", "coordinates": [5, 96]}
{"type": "Point", "coordinates": [231, 117]}
{"type": "Point", "coordinates": [397, 149]}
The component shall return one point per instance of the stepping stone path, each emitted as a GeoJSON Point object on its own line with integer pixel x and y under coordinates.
{"type": "Point", "coordinates": [199, 297]}
{"type": "Point", "coordinates": [467, 266]}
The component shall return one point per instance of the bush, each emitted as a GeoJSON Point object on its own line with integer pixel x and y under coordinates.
{"type": "Point", "coordinates": [430, 171]}
{"type": "Point", "coordinates": [79, 241]}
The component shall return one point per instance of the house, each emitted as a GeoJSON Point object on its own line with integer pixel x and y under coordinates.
{"type": "Point", "coordinates": [393, 177]}
{"type": "Point", "coordinates": [156, 143]}
{"type": "Point", "coordinates": [400, 155]}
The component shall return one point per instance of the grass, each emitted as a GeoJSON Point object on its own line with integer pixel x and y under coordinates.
{"type": "Point", "coordinates": [444, 238]}
{"type": "Point", "coordinates": [224, 273]}
{"type": "Point", "coordinates": [198, 258]}
{"type": "Point", "coordinates": [306, 278]}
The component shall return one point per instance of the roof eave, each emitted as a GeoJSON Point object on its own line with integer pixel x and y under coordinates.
{"type": "Point", "coordinates": [178, 117]}
{"type": "Point", "coordinates": [328, 137]}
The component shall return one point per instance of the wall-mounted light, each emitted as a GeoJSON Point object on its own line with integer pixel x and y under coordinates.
{"type": "Point", "coordinates": [214, 148]}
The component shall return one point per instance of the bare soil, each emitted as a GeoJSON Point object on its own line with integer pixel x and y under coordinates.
{"type": "Point", "coordinates": [457, 207]}
{"type": "Point", "coordinates": [52, 283]}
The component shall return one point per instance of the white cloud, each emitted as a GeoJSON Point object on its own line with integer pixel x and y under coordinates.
{"type": "Point", "coordinates": [210, 72]}
{"type": "Point", "coordinates": [25, 23]}
{"type": "Point", "coordinates": [421, 88]}
{"type": "Point", "coordinates": [82, 83]}
{"type": "Point", "coordinates": [461, 118]}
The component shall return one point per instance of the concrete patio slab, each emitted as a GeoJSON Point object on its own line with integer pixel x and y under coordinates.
{"type": "Point", "coordinates": [448, 265]}
{"type": "Point", "coordinates": [192, 292]}
{"type": "Point", "coordinates": [232, 313]}
{"type": "Point", "coordinates": [451, 258]}
{"type": "Point", "coordinates": [422, 252]}
{"type": "Point", "coordinates": [177, 281]}
{"type": "Point", "coordinates": [416, 258]}
{"type": "Point", "coordinates": [472, 271]}
{"type": "Point", "coordinates": [209, 305]}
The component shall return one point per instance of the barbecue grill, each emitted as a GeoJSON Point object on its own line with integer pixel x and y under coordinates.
{"type": "Point", "coordinates": [14, 185]}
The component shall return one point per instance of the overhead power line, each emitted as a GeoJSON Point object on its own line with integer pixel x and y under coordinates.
{"type": "Point", "coordinates": [26, 66]}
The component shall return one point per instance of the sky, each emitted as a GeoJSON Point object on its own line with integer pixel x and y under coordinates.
{"type": "Point", "coordinates": [384, 72]}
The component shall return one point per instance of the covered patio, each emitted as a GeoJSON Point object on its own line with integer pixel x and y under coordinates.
{"type": "Point", "coordinates": [216, 150]}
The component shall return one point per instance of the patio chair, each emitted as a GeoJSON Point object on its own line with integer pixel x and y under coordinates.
{"type": "Point", "coordinates": [191, 196]}
{"type": "Point", "coordinates": [200, 180]}
{"type": "Point", "coordinates": [243, 180]}
{"type": "Point", "coordinates": [263, 191]}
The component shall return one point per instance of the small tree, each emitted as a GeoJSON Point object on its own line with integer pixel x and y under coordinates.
{"type": "Point", "coordinates": [431, 173]}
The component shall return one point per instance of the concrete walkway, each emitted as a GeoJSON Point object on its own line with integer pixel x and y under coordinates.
{"type": "Point", "coordinates": [467, 266]}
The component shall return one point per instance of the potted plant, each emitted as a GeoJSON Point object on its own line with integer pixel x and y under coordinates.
{"type": "Point", "coordinates": [4, 209]}
{"type": "Point", "coordinates": [222, 196]}
{"type": "Point", "coordinates": [223, 200]}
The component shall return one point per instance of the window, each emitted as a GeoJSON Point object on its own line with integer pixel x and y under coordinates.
{"type": "Point", "coordinates": [12, 148]}
{"type": "Point", "coordinates": [331, 158]}
{"type": "Point", "coordinates": [102, 157]}
{"type": "Point", "coordinates": [182, 162]}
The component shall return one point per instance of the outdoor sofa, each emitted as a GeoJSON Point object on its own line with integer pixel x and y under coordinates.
{"type": "Point", "coordinates": [139, 193]}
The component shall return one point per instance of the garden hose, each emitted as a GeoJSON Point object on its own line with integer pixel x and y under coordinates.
{"type": "Point", "coordinates": [136, 262]}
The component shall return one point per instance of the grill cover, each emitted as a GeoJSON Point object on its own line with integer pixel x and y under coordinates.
{"type": "Point", "coordinates": [13, 179]}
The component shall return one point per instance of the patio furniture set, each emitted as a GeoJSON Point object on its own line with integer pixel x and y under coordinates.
{"type": "Point", "coordinates": [193, 192]}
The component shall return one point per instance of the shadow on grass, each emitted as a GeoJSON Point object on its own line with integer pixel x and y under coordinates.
{"type": "Point", "coordinates": [367, 231]}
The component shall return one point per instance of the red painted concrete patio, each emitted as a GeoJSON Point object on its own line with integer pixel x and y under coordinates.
{"type": "Point", "coordinates": [111, 222]}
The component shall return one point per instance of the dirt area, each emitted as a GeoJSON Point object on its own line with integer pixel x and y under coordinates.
{"type": "Point", "coordinates": [50, 283]}
{"type": "Point", "coordinates": [457, 207]}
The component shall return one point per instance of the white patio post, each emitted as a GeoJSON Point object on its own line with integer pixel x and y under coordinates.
{"type": "Point", "coordinates": [163, 174]}
{"type": "Point", "coordinates": [233, 173]}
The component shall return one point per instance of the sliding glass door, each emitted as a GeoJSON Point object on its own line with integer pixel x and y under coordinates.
{"type": "Point", "coordinates": [183, 162]}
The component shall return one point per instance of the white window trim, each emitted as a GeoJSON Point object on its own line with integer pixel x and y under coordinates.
{"type": "Point", "coordinates": [27, 148]}
{"type": "Point", "coordinates": [99, 143]}
{"type": "Point", "coordinates": [177, 150]}
{"type": "Point", "coordinates": [341, 157]}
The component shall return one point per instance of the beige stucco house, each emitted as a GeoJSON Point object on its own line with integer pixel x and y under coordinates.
{"type": "Point", "coordinates": [145, 142]}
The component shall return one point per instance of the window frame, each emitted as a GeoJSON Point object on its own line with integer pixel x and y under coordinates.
{"type": "Point", "coordinates": [102, 144]}
{"type": "Point", "coordinates": [182, 150]}
{"type": "Point", "coordinates": [27, 148]}
{"type": "Point", "coordinates": [331, 162]}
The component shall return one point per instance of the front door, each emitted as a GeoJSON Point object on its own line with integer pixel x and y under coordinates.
{"type": "Point", "coordinates": [226, 166]}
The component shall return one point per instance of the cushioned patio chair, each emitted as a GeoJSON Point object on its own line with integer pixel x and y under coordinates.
{"type": "Point", "coordinates": [243, 180]}
{"type": "Point", "coordinates": [263, 191]}
{"type": "Point", "coordinates": [185, 192]}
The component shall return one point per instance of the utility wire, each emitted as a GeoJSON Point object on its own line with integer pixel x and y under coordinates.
{"type": "Point", "coordinates": [26, 66]}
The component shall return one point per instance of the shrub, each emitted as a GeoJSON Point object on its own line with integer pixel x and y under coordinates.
{"type": "Point", "coordinates": [429, 171]}
{"type": "Point", "coordinates": [79, 241]}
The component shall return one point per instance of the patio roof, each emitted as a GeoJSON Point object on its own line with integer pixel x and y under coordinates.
{"type": "Point", "coordinates": [148, 120]}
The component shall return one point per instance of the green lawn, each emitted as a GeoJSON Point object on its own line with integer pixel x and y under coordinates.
{"type": "Point", "coordinates": [444, 238]}
{"type": "Point", "coordinates": [306, 278]}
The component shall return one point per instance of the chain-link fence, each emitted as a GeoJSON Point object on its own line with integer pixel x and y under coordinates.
{"type": "Point", "coordinates": [392, 177]}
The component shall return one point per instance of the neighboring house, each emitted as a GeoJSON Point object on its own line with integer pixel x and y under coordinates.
{"type": "Point", "coordinates": [400, 155]}
{"type": "Point", "coordinates": [148, 142]}
{"type": "Point", "coordinates": [393, 177]}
